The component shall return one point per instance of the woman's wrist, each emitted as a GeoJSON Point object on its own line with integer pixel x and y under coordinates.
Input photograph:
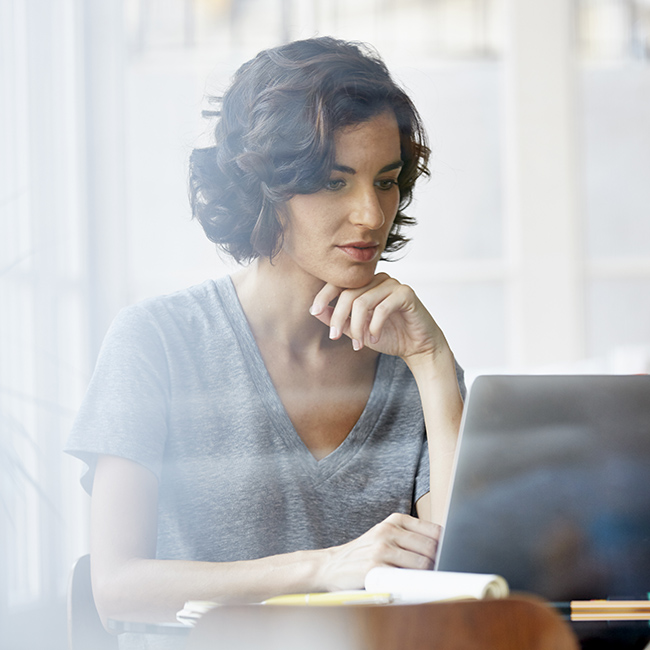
{"type": "Point", "coordinates": [434, 364]}
{"type": "Point", "coordinates": [315, 565]}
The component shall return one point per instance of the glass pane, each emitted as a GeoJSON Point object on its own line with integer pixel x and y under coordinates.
{"type": "Point", "coordinates": [460, 208]}
{"type": "Point", "coordinates": [619, 322]}
{"type": "Point", "coordinates": [616, 123]}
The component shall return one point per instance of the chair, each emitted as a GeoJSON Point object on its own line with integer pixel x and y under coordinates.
{"type": "Point", "coordinates": [85, 629]}
{"type": "Point", "coordinates": [518, 623]}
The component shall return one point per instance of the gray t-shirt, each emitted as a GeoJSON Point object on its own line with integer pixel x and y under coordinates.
{"type": "Point", "coordinates": [181, 388]}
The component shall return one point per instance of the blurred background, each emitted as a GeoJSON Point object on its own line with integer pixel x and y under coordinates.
{"type": "Point", "coordinates": [532, 249]}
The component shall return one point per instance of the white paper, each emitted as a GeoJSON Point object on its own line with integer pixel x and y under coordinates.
{"type": "Point", "coordinates": [413, 586]}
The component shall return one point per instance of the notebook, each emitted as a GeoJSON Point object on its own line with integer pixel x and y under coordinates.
{"type": "Point", "coordinates": [552, 486]}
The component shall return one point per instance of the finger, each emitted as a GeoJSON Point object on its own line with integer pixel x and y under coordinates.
{"type": "Point", "coordinates": [404, 559]}
{"type": "Point", "coordinates": [404, 550]}
{"type": "Point", "coordinates": [395, 302]}
{"type": "Point", "coordinates": [414, 524]}
{"type": "Point", "coordinates": [339, 322]}
{"type": "Point", "coordinates": [330, 292]}
{"type": "Point", "coordinates": [341, 313]}
{"type": "Point", "coordinates": [323, 298]}
{"type": "Point", "coordinates": [363, 308]}
{"type": "Point", "coordinates": [414, 539]}
{"type": "Point", "coordinates": [343, 309]}
{"type": "Point", "coordinates": [360, 316]}
{"type": "Point", "coordinates": [325, 316]}
{"type": "Point", "coordinates": [421, 545]}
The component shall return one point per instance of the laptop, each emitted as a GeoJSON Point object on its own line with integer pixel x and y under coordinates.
{"type": "Point", "coordinates": [552, 486]}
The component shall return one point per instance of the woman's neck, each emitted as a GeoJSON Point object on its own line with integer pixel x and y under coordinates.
{"type": "Point", "coordinates": [276, 302]}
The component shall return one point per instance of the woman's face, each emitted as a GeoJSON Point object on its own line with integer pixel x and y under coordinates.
{"type": "Point", "coordinates": [338, 234]}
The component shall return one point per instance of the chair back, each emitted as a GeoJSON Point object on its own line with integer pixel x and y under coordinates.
{"type": "Point", "coordinates": [85, 629]}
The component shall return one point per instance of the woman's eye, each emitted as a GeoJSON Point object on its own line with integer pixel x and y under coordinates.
{"type": "Point", "coordinates": [386, 184]}
{"type": "Point", "coordinates": [335, 184]}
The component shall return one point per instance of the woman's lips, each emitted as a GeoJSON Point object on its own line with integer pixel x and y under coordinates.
{"type": "Point", "coordinates": [360, 251]}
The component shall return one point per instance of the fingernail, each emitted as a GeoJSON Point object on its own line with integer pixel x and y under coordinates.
{"type": "Point", "coordinates": [356, 345]}
{"type": "Point", "coordinates": [334, 332]}
{"type": "Point", "coordinates": [315, 309]}
{"type": "Point", "coordinates": [373, 339]}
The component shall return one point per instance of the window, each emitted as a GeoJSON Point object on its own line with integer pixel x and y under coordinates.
{"type": "Point", "coordinates": [101, 106]}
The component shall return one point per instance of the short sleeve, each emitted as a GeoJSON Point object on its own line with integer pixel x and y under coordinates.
{"type": "Point", "coordinates": [460, 376]}
{"type": "Point", "coordinates": [125, 411]}
{"type": "Point", "coordinates": [422, 476]}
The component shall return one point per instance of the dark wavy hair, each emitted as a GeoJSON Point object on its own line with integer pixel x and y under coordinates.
{"type": "Point", "coordinates": [275, 139]}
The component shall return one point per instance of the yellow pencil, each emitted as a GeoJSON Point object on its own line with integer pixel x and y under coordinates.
{"type": "Point", "coordinates": [332, 598]}
{"type": "Point", "coordinates": [610, 610]}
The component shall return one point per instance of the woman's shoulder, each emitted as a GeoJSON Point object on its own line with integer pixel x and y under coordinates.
{"type": "Point", "coordinates": [202, 299]}
{"type": "Point", "coordinates": [188, 297]}
{"type": "Point", "coordinates": [199, 307]}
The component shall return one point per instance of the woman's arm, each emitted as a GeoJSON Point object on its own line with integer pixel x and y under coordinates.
{"type": "Point", "coordinates": [129, 584]}
{"type": "Point", "coordinates": [442, 405]}
{"type": "Point", "coordinates": [388, 317]}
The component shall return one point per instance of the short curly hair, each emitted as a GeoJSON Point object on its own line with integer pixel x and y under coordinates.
{"type": "Point", "coordinates": [275, 139]}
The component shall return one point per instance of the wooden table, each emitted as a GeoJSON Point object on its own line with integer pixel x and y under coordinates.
{"type": "Point", "coordinates": [517, 623]}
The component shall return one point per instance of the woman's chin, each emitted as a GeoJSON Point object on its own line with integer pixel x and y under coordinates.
{"type": "Point", "coordinates": [354, 279]}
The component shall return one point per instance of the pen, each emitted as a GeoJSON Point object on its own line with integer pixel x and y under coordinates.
{"type": "Point", "coordinates": [332, 598]}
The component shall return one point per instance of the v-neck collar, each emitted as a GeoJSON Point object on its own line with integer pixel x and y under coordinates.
{"type": "Point", "coordinates": [322, 469]}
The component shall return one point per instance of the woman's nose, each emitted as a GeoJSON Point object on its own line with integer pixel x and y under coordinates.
{"type": "Point", "coordinates": [367, 210]}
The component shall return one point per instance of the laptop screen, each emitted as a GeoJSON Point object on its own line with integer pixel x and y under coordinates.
{"type": "Point", "coordinates": [552, 486]}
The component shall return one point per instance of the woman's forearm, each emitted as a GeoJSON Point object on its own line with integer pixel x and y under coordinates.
{"type": "Point", "coordinates": [150, 590]}
{"type": "Point", "coordinates": [155, 590]}
{"type": "Point", "coordinates": [442, 405]}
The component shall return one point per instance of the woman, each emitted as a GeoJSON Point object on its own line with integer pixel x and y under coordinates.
{"type": "Point", "coordinates": [264, 433]}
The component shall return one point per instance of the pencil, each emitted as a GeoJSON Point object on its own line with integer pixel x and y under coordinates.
{"type": "Point", "coordinates": [610, 610]}
{"type": "Point", "coordinates": [332, 598]}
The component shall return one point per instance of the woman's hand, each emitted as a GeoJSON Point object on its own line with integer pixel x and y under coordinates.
{"type": "Point", "coordinates": [398, 541]}
{"type": "Point", "coordinates": [385, 316]}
